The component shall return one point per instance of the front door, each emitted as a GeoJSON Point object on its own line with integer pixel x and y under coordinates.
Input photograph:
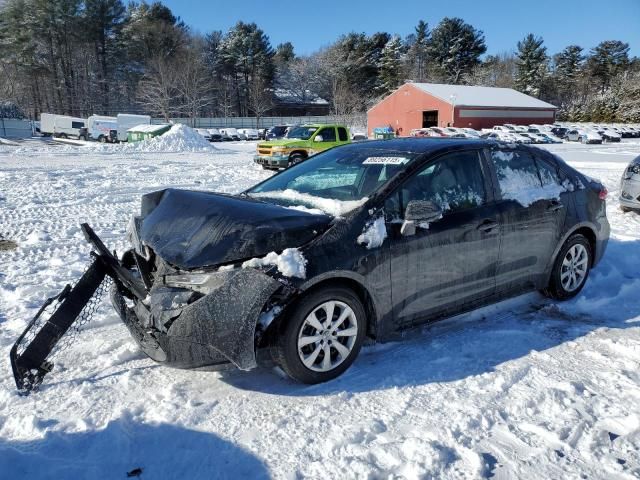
{"type": "Point", "coordinates": [452, 261]}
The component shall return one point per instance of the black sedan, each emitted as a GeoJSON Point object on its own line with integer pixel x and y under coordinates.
{"type": "Point", "coordinates": [363, 240]}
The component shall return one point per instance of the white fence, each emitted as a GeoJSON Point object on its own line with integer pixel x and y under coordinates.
{"type": "Point", "coordinates": [12, 128]}
{"type": "Point", "coordinates": [249, 122]}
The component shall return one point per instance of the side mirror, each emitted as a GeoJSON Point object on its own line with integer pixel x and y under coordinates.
{"type": "Point", "coordinates": [318, 138]}
{"type": "Point", "coordinates": [419, 212]}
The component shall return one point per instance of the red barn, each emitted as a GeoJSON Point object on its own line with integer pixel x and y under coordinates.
{"type": "Point", "coordinates": [421, 105]}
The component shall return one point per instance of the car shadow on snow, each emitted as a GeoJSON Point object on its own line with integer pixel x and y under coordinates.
{"type": "Point", "coordinates": [477, 342]}
{"type": "Point", "coordinates": [125, 448]}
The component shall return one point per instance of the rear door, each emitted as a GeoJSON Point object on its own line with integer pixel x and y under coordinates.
{"type": "Point", "coordinates": [451, 262]}
{"type": "Point", "coordinates": [532, 210]}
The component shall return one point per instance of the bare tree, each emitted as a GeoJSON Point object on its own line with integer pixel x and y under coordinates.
{"type": "Point", "coordinates": [158, 86]}
{"type": "Point", "coordinates": [193, 86]}
{"type": "Point", "coordinates": [260, 99]}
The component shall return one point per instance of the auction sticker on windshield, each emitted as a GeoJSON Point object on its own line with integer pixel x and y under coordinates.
{"type": "Point", "coordinates": [385, 161]}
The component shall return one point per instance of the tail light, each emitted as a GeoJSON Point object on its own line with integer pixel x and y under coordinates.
{"type": "Point", "coordinates": [602, 194]}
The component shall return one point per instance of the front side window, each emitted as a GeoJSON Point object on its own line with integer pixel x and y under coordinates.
{"type": "Point", "coordinates": [454, 182]}
{"type": "Point", "coordinates": [328, 134]}
{"type": "Point", "coordinates": [77, 125]}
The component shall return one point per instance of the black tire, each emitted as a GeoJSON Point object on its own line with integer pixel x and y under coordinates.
{"type": "Point", "coordinates": [295, 158]}
{"type": "Point", "coordinates": [102, 139]}
{"type": "Point", "coordinates": [285, 349]}
{"type": "Point", "coordinates": [555, 289]}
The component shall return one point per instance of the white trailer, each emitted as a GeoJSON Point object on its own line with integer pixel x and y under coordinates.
{"type": "Point", "coordinates": [126, 121]}
{"type": "Point", "coordinates": [100, 127]}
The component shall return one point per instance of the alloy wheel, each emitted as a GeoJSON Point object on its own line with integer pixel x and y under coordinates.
{"type": "Point", "coordinates": [574, 267]}
{"type": "Point", "coordinates": [327, 336]}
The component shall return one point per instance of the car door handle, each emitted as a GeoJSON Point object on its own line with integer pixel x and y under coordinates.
{"type": "Point", "coordinates": [555, 206]}
{"type": "Point", "coordinates": [487, 225]}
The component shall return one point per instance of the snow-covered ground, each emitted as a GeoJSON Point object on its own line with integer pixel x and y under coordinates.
{"type": "Point", "coordinates": [528, 388]}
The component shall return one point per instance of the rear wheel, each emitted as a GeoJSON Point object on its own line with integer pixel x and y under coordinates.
{"type": "Point", "coordinates": [322, 336]}
{"type": "Point", "coordinates": [571, 268]}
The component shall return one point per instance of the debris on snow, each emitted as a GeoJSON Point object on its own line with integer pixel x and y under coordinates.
{"type": "Point", "coordinates": [290, 263]}
{"type": "Point", "coordinates": [374, 234]}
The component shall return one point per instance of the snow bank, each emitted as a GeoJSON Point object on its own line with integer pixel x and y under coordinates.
{"type": "Point", "coordinates": [374, 234]}
{"type": "Point", "coordinates": [180, 138]}
{"type": "Point", "coordinates": [331, 206]}
{"type": "Point", "coordinates": [291, 262]}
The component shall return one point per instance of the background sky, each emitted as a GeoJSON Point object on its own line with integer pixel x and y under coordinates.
{"type": "Point", "coordinates": [310, 25]}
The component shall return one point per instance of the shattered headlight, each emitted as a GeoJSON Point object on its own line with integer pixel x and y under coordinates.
{"type": "Point", "coordinates": [203, 282]}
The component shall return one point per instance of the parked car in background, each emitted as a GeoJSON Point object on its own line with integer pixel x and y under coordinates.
{"type": "Point", "coordinates": [583, 136]}
{"type": "Point", "coordinates": [204, 132]}
{"type": "Point", "coordinates": [229, 134]}
{"type": "Point", "coordinates": [249, 133]}
{"type": "Point", "coordinates": [262, 132]}
{"type": "Point", "coordinates": [214, 135]}
{"type": "Point", "coordinates": [276, 132]}
{"type": "Point", "coordinates": [387, 235]}
{"type": "Point", "coordinates": [609, 135]}
{"type": "Point", "coordinates": [471, 132]}
{"type": "Point", "coordinates": [630, 187]}
{"type": "Point", "coordinates": [299, 144]}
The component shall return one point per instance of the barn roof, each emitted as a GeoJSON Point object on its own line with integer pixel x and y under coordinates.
{"type": "Point", "coordinates": [470, 96]}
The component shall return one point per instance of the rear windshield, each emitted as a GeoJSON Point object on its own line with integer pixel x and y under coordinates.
{"type": "Point", "coordinates": [346, 174]}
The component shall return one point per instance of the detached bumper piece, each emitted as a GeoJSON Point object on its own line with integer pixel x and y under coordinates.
{"type": "Point", "coordinates": [30, 355]}
{"type": "Point", "coordinates": [45, 335]}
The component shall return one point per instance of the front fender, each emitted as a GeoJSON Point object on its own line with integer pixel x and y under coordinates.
{"type": "Point", "coordinates": [226, 319]}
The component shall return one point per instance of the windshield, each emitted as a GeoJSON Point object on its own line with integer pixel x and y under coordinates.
{"type": "Point", "coordinates": [334, 181]}
{"type": "Point", "coordinates": [303, 133]}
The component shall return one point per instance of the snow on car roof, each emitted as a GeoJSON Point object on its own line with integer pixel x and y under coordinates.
{"type": "Point", "coordinates": [472, 96]}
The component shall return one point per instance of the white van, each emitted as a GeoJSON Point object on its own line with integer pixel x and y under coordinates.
{"type": "Point", "coordinates": [126, 121]}
{"type": "Point", "coordinates": [101, 128]}
{"type": "Point", "coordinates": [65, 127]}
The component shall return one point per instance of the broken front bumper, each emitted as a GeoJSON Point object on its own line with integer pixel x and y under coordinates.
{"type": "Point", "coordinates": [216, 329]}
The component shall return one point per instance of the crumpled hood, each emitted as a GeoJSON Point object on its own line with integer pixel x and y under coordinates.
{"type": "Point", "coordinates": [192, 229]}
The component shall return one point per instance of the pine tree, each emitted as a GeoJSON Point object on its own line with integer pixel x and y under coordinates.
{"type": "Point", "coordinates": [568, 67]}
{"type": "Point", "coordinates": [455, 48]}
{"type": "Point", "coordinates": [531, 65]}
{"type": "Point", "coordinates": [391, 65]}
{"type": "Point", "coordinates": [607, 60]}
{"type": "Point", "coordinates": [419, 52]}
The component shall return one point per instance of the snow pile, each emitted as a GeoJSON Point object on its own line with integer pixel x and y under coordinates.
{"type": "Point", "coordinates": [374, 234]}
{"type": "Point", "coordinates": [290, 263]}
{"type": "Point", "coordinates": [180, 138]}
{"type": "Point", "coordinates": [328, 205]}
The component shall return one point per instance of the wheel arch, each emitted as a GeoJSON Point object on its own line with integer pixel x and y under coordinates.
{"type": "Point", "coordinates": [583, 228]}
{"type": "Point", "coordinates": [355, 283]}
{"type": "Point", "coordinates": [301, 152]}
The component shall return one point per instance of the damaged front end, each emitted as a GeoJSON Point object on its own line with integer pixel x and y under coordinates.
{"type": "Point", "coordinates": [183, 294]}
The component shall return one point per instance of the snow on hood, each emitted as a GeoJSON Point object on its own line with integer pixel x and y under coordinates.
{"type": "Point", "coordinates": [192, 229]}
{"type": "Point", "coordinates": [331, 206]}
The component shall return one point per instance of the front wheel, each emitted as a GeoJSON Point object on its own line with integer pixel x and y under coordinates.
{"type": "Point", "coordinates": [571, 269]}
{"type": "Point", "coordinates": [322, 336]}
{"type": "Point", "coordinates": [295, 158]}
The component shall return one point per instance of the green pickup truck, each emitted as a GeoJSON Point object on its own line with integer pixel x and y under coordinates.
{"type": "Point", "coordinates": [300, 143]}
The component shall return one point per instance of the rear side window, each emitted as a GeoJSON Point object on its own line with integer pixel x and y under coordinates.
{"type": "Point", "coordinates": [548, 173]}
{"type": "Point", "coordinates": [342, 134]}
{"type": "Point", "coordinates": [328, 134]}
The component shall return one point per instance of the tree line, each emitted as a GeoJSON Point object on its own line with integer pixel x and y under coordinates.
{"type": "Point", "coordinates": [80, 57]}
